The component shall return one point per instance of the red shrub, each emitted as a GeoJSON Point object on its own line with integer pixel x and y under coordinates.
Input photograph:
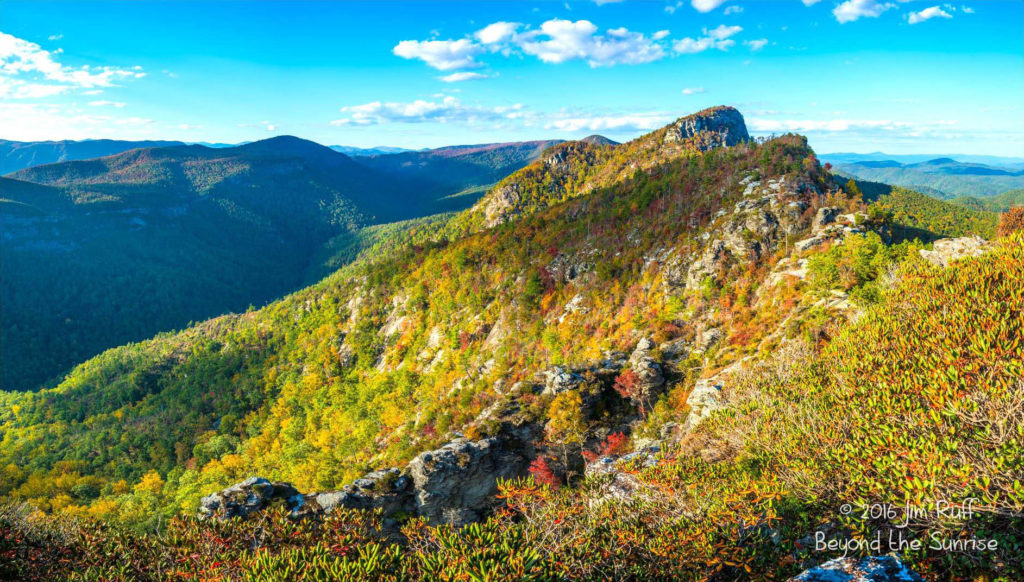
{"type": "Point", "coordinates": [543, 474]}
{"type": "Point", "coordinates": [627, 384]}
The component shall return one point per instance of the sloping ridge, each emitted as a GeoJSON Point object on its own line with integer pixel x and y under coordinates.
{"type": "Point", "coordinates": [570, 169]}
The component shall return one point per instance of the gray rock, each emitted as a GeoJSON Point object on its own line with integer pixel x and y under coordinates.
{"type": "Point", "coordinates": [711, 128]}
{"type": "Point", "coordinates": [947, 250]}
{"type": "Point", "coordinates": [558, 380]}
{"type": "Point", "coordinates": [826, 215]}
{"type": "Point", "coordinates": [705, 398]}
{"type": "Point", "coordinates": [708, 339]}
{"type": "Point", "coordinates": [241, 499]}
{"type": "Point", "coordinates": [456, 483]}
{"type": "Point", "coordinates": [714, 258]}
{"type": "Point", "coordinates": [871, 569]}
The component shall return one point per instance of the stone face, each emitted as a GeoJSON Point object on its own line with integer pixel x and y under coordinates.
{"type": "Point", "coordinates": [455, 483]}
{"type": "Point", "coordinates": [947, 250]}
{"type": "Point", "coordinates": [711, 128]}
{"type": "Point", "coordinates": [872, 569]}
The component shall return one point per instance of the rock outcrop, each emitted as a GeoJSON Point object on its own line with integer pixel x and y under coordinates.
{"type": "Point", "coordinates": [704, 130]}
{"type": "Point", "coordinates": [249, 496]}
{"type": "Point", "coordinates": [872, 569]}
{"type": "Point", "coordinates": [456, 483]}
{"type": "Point", "coordinates": [947, 250]}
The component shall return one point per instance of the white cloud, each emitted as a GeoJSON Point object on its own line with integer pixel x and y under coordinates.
{"type": "Point", "coordinates": [706, 5]}
{"type": "Point", "coordinates": [694, 90]}
{"type": "Point", "coordinates": [497, 32]}
{"type": "Point", "coordinates": [722, 31]}
{"type": "Point", "coordinates": [36, 122]}
{"type": "Point", "coordinates": [732, 10]}
{"type": "Point", "coordinates": [443, 55]}
{"type": "Point", "coordinates": [660, 34]}
{"type": "Point", "coordinates": [619, 123]}
{"type": "Point", "coordinates": [447, 110]}
{"type": "Point", "coordinates": [559, 41]}
{"type": "Point", "coordinates": [102, 103]}
{"type": "Point", "coordinates": [852, 10]}
{"type": "Point", "coordinates": [927, 14]}
{"type": "Point", "coordinates": [756, 44]}
{"type": "Point", "coordinates": [601, 2]}
{"type": "Point", "coordinates": [27, 70]}
{"type": "Point", "coordinates": [848, 125]}
{"type": "Point", "coordinates": [671, 8]}
{"type": "Point", "coordinates": [810, 2]}
{"type": "Point", "coordinates": [967, 10]}
{"type": "Point", "coordinates": [462, 76]}
{"type": "Point", "coordinates": [717, 38]}
{"type": "Point", "coordinates": [55, 37]}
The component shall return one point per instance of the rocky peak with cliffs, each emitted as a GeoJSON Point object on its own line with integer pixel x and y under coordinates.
{"type": "Point", "coordinates": [715, 127]}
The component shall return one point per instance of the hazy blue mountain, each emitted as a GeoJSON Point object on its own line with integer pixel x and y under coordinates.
{"type": "Point", "coordinates": [852, 158]}
{"type": "Point", "coordinates": [939, 177]}
{"type": "Point", "coordinates": [376, 151]}
{"type": "Point", "coordinates": [17, 155]}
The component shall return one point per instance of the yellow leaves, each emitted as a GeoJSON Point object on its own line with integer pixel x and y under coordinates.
{"type": "Point", "coordinates": [151, 482]}
{"type": "Point", "coordinates": [566, 423]}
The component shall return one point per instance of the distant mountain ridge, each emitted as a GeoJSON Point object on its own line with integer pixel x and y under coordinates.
{"type": "Point", "coordinates": [852, 158]}
{"type": "Point", "coordinates": [942, 177]}
{"type": "Point", "coordinates": [17, 155]}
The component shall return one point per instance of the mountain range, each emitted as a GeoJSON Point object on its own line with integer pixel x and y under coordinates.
{"type": "Point", "coordinates": [940, 177]}
{"type": "Point", "coordinates": [672, 358]}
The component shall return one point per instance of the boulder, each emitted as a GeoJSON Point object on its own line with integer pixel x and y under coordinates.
{"type": "Point", "coordinates": [705, 398]}
{"type": "Point", "coordinates": [947, 250]}
{"type": "Point", "coordinates": [558, 380]}
{"type": "Point", "coordinates": [826, 215]}
{"type": "Point", "coordinates": [241, 499]}
{"type": "Point", "coordinates": [457, 483]}
{"type": "Point", "coordinates": [613, 481]}
{"type": "Point", "coordinates": [871, 569]}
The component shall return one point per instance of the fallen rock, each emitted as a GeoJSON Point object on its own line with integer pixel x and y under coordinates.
{"type": "Point", "coordinates": [872, 569]}
{"type": "Point", "coordinates": [947, 250]}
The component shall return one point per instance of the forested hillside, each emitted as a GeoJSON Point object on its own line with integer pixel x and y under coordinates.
{"type": "Point", "coordinates": [102, 252]}
{"type": "Point", "coordinates": [18, 155]}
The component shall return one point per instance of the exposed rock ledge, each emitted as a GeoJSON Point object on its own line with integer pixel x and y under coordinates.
{"type": "Point", "coordinates": [454, 484]}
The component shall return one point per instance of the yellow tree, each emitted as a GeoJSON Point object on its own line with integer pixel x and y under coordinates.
{"type": "Point", "coordinates": [566, 425]}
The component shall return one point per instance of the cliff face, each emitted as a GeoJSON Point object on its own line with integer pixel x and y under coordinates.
{"type": "Point", "coordinates": [711, 128]}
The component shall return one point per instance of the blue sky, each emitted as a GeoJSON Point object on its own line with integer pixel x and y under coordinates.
{"type": "Point", "coordinates": [900, 76]}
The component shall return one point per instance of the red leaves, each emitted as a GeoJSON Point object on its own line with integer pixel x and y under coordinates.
{"type": "Point", "coordinates": [543, 474]}
{"type": "Point", "coordinates": [627, 384]}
